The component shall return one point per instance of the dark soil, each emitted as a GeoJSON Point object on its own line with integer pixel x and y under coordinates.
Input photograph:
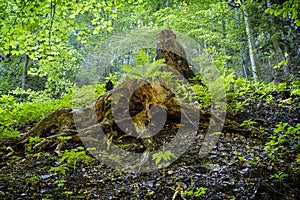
{"type": "Point", "coordinates": [236, 168]}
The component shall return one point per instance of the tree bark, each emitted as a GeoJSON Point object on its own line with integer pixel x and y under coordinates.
{"type": "Point", "coordinates": [250, 47]}
{"type": "Point", "coordinates": [24, 73]}
{"type": "Point", "coordinates": [242, 50]}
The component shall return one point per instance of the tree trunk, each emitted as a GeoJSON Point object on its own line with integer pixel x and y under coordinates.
{"type": "Point", "coordinates": [242, 50]}
{"type": "Point", "coordinates": [24, 73]}
{"type": "Point", "coordinates": [249, 37]}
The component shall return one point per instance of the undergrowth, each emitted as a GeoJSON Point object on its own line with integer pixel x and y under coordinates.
{"type": "Point", "coordinates": [13, 112]}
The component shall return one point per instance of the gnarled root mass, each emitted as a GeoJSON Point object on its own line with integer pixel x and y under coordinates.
{"type": "Point", "coordinates": [141, 114]}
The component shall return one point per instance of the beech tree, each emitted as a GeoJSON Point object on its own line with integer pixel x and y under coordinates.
{"type": "Point", "coordinates": [48, 36]}
{"type": "Point", "coordinates": [43, 43]}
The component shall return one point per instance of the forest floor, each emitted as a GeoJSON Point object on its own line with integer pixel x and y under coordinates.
{"type": "Point", "coordinates": [238, 167]}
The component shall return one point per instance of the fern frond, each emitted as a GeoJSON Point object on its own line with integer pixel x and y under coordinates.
{"type": "Point", "coordinates": [153, 70]}
{"type": "Point", "coordinates": [142, 58]}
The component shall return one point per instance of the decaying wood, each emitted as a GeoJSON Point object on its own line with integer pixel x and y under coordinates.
{"type": "Point", "coordinates": [54, 122]}
{"type": "Point", "coordinates": [169, 49]}
{"type": "Point", "coordinates": [135, 104]}
{"type": "Point", "coordinates": [173, 53]}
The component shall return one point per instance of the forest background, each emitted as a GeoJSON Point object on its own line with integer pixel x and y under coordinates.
{"type": "Point", "coordinates": [44, 44]}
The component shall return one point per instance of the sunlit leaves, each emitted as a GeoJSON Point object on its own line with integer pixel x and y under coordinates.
{"type": "Point", "coordinates": [291, 7]}
{"type": "Point", "coordinates": [163, 156]}
{"type": "Point", "coordinates": [142, 58]}
{"type": "Point", "coordinates": [42, 30]}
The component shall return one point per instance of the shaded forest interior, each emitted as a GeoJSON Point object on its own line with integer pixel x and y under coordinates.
{"type": "Point", "coordinates": [99, 100]}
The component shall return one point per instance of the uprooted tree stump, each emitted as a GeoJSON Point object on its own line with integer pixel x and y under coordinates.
{"type": "Point", "coordinates": [137, 115]}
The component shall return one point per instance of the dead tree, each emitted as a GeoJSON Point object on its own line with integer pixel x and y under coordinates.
{"type": "Point", "coordinates": [104, 120]}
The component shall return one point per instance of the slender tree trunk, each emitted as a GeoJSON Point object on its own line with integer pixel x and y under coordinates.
{"type": "Point", "coordinates": [249, 37]}
{"type": "Point", "coordinates": [24, 73]}
{"type": "Point", "coordinates": [128, 58]}
{"type": "Point", "coordinates": [205, 45]}
{"type": "Point", "coordinates": [242, 50]}
{"type": "Point", "coordinates": [270, 60]}
{"type": "Point", "coordinates": [244, 60]}
{"type": "Point", "coordinates": [224, 37]}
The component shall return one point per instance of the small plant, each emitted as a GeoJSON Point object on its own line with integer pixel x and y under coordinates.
{"type": "Point", "coordinates": [162, 156]}
{"type": "Point", "coordinates": [60, 168]}
{"type": "Point", "coordinates": [298, 159]}
{"type": "Point", "coordinates": [64, 138]}
{"type": "Point", "coordinates": [248, 123]}
{"type": "Point", "coordinates": [68, 192]}
{"type": "Point", "coordinates": [279, 177]}
{"type": "Point", "coordinates": [13, 112]}
{"type": "Point", "coordinates": [100, 88]}
{"type": "Point", "coordinates": [7, 103]}
{"type": "Point", "coordinates": [284, 136]}
{"type": "Point", "coordinates": [75, 155]}
{"type": "Point", "coordinates": [70, 159]}
{"type": "Point", "coordinates": [60, 182]}
{"type": "Point", "coordinates": [33, 180]}
{"type": "Point", "coordinates": [144, 69]}
{"type": "Point", "coordinates": [202, 94]}
{"type": "Point", "coordinates": [240, 159]}
{"type": "Point", "coordinates": [295, 90]}
{"type": "Point", "coordinates": [195, 193]}
{"type": "Point", "coordinates": [33, 141]}
{"type": "Point", "coordinates": [296, 164]}
{"type": "Point", "coordinates": [282, 144]}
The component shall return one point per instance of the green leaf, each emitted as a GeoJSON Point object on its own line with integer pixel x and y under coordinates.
{"type": "Point", "coordinates": [278, 12]}
{"type": "Point", "coordinates": [142, 58]}
{"type": "Point", "coordinates": [269, 10]}
{"type": "Point", "coordinates": [297, 22]}
{"type": "Point", "coordinates": [284, 14]}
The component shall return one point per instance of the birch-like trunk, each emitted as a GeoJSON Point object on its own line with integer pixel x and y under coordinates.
{"type": "Point", "coordinates": [249, 37]}
{"type": "Point", "coordinates": [24, 73]}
